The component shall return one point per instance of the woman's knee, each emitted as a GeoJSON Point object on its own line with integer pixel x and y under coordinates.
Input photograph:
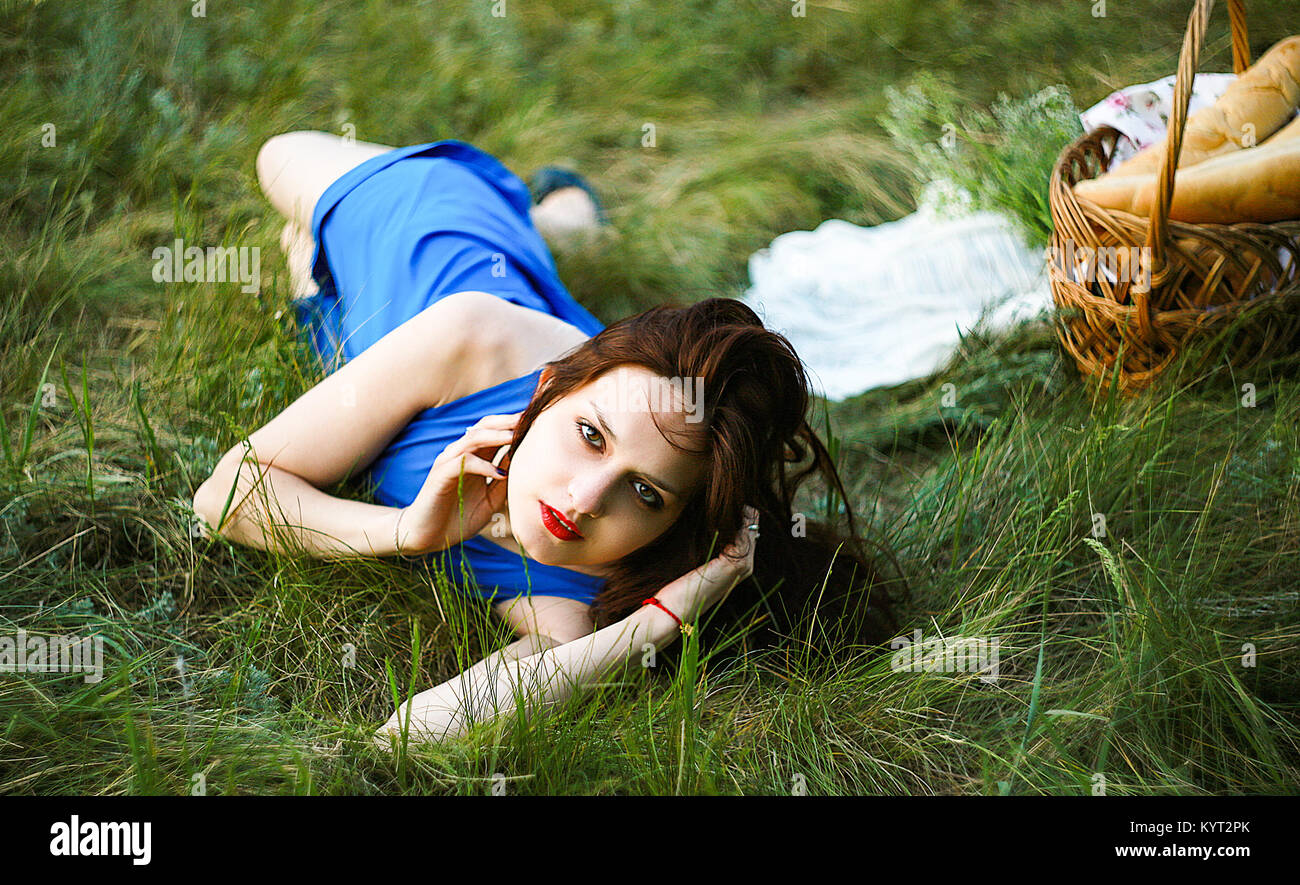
{"type": "Point", "coordinates": [295, 168]}
{"type": "Point", "coordinates": [278, 151]}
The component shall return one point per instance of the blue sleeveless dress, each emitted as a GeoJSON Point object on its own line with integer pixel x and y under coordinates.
{"type": "Point", "coordinates": [391, 239]}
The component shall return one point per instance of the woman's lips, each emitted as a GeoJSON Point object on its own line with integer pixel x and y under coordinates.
{"type": "Point", "coordinates": [557, 525]}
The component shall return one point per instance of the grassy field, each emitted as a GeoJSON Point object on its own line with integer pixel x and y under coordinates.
{"type": "Point", "coordinates": [1158, 657]}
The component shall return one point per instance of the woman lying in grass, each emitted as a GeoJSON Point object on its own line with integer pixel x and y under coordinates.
{"type": "Point", "coordinates": [601, 487]}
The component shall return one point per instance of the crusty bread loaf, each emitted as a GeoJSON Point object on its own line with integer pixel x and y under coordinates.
{"type": "Point", "coordinates": [1249, 111]}
{"type": "Point", "coordinates": [1116, 191]}
{"type": "Point", "coordinates": [1260, 184]}
{"type": "Point", "coordinates": [1290, 130]}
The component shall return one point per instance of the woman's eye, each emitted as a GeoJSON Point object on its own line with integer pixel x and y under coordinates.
{"type": "Point", "coordinates": [583, 427]}
{"type": "Point", "coordinates": [653, 499]}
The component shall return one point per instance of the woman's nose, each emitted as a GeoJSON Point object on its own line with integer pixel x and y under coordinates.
{"type": "Point", "coordinates": [588, 491]}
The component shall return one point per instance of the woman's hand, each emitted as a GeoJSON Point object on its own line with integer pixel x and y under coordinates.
{"type": "Point", "coordinates": [447, 511]}
{"type": "Point", "coordinates": [702, 588]}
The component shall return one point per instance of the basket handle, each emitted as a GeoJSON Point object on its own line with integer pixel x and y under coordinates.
{"type": "Point", "coordinates": [1187, 63]}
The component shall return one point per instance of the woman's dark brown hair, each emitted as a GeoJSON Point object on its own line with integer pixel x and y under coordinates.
{"type": "Point", "coordinates": [811, 584]}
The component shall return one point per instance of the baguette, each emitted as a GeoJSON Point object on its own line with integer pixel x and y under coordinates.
{"type": "Point", "coordinates": [1289, 131]}
{"type": "Point", "coordinates": [1261, 184]}
{"type": "Point", "coordinates": [1264, 96]}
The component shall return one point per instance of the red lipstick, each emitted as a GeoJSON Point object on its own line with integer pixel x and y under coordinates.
{"type": "Point", "coordinates": [557, 525]}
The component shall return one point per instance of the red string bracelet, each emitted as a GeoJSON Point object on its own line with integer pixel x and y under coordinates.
{"type": "Point", "coordinates": [686, 628]}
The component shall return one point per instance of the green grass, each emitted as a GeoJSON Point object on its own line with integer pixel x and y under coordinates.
{"type": "Point", "coordinates": [1121, 654]}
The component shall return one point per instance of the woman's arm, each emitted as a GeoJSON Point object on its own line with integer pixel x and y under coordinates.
{"type": "Point", "coordinates": [341, 425]}
{"type": "Point", "coordinates": [272, 508]}
{"type": "Point", "coordinates": [488, 688]}
{"type": "Point", "coordinates": [549, 677]}
{"type": "Point", "coordinates": [265, 504]}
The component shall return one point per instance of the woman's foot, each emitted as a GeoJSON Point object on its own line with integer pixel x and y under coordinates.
{"type": "Point", "coordinates": [566, 210]}
{"type": "Point", "coordinates": [566, 216]}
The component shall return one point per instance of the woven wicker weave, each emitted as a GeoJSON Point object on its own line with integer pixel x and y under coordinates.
{"type": "Point", "coordinates": [1234, 286]}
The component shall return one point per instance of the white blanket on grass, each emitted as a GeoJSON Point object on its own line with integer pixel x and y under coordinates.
{"type": "Point", "coordinates": [868, 307]}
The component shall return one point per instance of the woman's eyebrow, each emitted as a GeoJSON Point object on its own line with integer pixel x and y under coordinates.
{"type": "Point", "coordinates": [600, 416]}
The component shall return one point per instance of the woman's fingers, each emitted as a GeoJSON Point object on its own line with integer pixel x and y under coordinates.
{"type": "Point", "coordinates": [497, 422]}
{"type": "Point", "coordinates": [746, 541]}
{"type": "Point", "coordinates": [494, 433]}
{"type": "Point", "coordinates": [488, 430]}
{"type": "Point", "coordinates": [711, 583]}
{"type": "Point", "coordinates": [472, 464]}
{"type": "Point", "coordinates": [737, 561]}
{"type": "Point", "coordinates": [475, 439]}
{"type": "Point", "coordinates": [491, 431]}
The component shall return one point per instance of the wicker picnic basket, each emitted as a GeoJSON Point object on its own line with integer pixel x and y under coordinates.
{"type": "Point", "coordinates": [1234, 288]}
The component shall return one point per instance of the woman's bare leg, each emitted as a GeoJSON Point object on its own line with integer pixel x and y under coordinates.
{"type": "Point", "coordinates": [295, 168]}
{"type": "Point", "coordinates": [297, 245]}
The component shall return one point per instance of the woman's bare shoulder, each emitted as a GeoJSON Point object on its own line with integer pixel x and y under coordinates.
{"type": "Point", "coordinates": [500, 341]}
